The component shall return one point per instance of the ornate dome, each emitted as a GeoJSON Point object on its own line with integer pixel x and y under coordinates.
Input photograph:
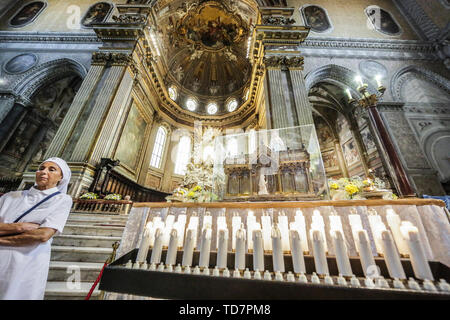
{"type": "Point", "coordinates": [205, 50]}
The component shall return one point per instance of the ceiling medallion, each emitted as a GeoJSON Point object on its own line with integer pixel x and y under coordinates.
{"type": "Point", "coordinates": [213, 26]}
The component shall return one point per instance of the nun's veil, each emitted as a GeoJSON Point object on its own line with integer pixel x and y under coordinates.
{"type": "Point", "coordinates": [66, 173]}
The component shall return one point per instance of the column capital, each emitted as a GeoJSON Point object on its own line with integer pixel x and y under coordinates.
{"type": "Point", "coordinates": [278, 62]}
{"type": "Point", "coordinates": [112, 58]}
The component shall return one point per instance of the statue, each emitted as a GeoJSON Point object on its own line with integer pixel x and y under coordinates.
{"type": "Point", "coordinates": [262, 185]}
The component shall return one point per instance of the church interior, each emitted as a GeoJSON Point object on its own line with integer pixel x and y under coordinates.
{"type": "Point", "coordinates": [209, 109]}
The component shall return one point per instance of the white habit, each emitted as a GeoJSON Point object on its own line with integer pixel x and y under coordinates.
{"type": "Point", "coordinates": [24, 270]}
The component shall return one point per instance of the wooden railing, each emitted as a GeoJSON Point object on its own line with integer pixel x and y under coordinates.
{"type": "Point", "coordinates": [114, 182]}
{"type": "Point", "coordinates": [9, 184]}
{"type": "Point", "coordinates": [102, 206]}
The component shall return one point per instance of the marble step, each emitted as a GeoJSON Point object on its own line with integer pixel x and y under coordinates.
{"type": "Point", "coordinates": [85, 229]}
{"type": "Point", "coordinates": [58, 290]}
{"type": "Point", "coordinates": [97, 223]}
{"type": "Point", "coordinates": [80, 254]}
{"type": "Point", "coordinates": [69, 271]}
{"type": "Point", "coordinates": [84, 241]}
{"type": "Point", "coordinates": [95, 216]}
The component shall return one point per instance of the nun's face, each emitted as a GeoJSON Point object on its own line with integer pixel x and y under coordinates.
{"type": "Point", "coordinates": [48, 175]}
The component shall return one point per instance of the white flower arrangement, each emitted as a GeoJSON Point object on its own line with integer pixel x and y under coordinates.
{"type": "Point", "coordinates": [113, 196]}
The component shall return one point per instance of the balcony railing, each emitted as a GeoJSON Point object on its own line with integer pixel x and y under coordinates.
{"type": "Point", "coordinates": [121, 207]}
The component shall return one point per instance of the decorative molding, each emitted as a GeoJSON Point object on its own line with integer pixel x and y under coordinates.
{"type": "Point", "coordinates": [33, 36]}
{"type": "Point", "coordinates": [130, 18]}
{"type": "Point", "coordinates": [277, 21]}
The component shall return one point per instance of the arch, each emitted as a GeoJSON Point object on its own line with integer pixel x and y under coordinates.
{"type": "Point", "coordinates": [338, 75]}
{"type": "Point", "coordinates": [402, 76]}
{"type": "Point", "coordinates": [434, 146]}
{"type": "Point", "coordinates": [43, 74]}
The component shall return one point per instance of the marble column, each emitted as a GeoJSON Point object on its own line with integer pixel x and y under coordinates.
{"type": "Point", "coordinates": [10, 123]}
{"type": "Point", "coordinates": [341, 160]}
{"type": "Point", "coordinates": [74, 113]}
{"type": "Point", "coordinates": [104, 146]}
{"type": "Point", "coordinates": [6, 104]}
{"type": "Point", "coordinates": [88, 136]}
{"type": "Point", "coordinates": [302, 105]}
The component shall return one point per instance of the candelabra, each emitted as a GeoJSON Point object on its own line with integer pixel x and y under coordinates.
{"type": "Point", "coordinates": [369, 102]}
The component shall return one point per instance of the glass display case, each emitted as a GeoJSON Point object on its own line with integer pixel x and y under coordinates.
{"type": "Point", "coordinates": [274, 165]}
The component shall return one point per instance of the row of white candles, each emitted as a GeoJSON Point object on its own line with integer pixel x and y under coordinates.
{"type": "Point", "coordinates": [291, 238]}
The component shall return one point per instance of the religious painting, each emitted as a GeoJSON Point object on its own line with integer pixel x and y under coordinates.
{"type": "Point", "coordinates": [368, 140]}
{"type": "Point", "coordinates": [21, 63]}
{"type": "Point", "coordinates": [96, 14]}
{"type": "Point", "coordinates": [330, 160]}
{"type": "Point", "coordinates": [324, 134]}
{"type": "Point", "coordinates": [132, 138]}
{"type": "Point", "coordinates": [343, 128]}
{"type": "Point", "coordinates": [316, 18]}
{"type": "Point", "coordinates": [382, 20]}
{"type": "Point", "coordinates": [27, 14]}
{"type": "Point", "coordinates": [350, 152]}
{"type": "Point", "coordinates": [213, 27]}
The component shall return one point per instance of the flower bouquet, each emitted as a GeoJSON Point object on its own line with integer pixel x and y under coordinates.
{"type": "Point", "coordinates": [357, 188]}
{"type": "Point", "coordinates": [89, 196]}
{"type": "Point", "coordinates": [113, 196]}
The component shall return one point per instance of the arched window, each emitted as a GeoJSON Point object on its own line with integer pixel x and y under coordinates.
{"type": "Point", "coordinates": [158, 148]}
{"type": "Point", "coordinates": [27, 14]}
{"type": "Point", "coordinates": [316, 18]}
{"type": "Point", "coordinates": [382, 20]}
{"type": "Point", "coordinates": [97, 13]}
{"type": "Point", "coordinates": [183, 155]}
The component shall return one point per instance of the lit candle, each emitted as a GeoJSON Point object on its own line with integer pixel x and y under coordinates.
{"type": "Point", "coordinates": [391, 255]}
{"type": "Point", "coordinates": [301, 228]}
{"type": "Point", "coordinates": [358, 79]}
{"type": "Point", "coordinates": [377, 226]}
{"type": "Point", "coordinates": [266, 231]}
{"type": "Point", "coordinates": [170, 219]}
{"type": "Point", "coordinates": [251, 220]}
{"type": "Point", "coordinates": [277, 250]}
{"type": "Point", "coordinates": [298, 260]}
{"type": "Point", "coordinates": [188, 251]}
{"type": "Point", "coordinates": [318, 224]}
{"type": "Point", "coordinates": [378, 79]}
{"type": "Point", "coordinates": [171, 256]}
{"type": "Point", "coordinates": [157, 248]}
{"type": "Point", "coordinates": [348, 93]}
{"type": "Point", "coordinates": [193, 225]}
{"type": "Point", "coordinates": [320, 258]}
{"type": "Point", "coordinates": [221, 225]}
{"type": "Point", "coordinates": [365, 252]}
{"type": "Point", "coordinates": [283, 224]}
{"type": "Point", "coordinates": [222, 250]}
{"type": "Point", "coordinates": [181, 228]}
{"type": "Point", "coordinates": [205, 247]}
{"type": "Point", "coordinates": [239, 256]}
{"type": "Point", "coordinates": [235, 225]}
{"type": "Point", "coordinates": [145, 243]}
{"type": "Point", "coordinates": [394, 222]}
{"type": "Point", "coordinates": [419, 261]}
{"type": "Point", "coordinates": [207, 220]}
{"type": "Point", "coordinates": [156, 219]}
{"type": "Point", "coordinates": [258, 250]}
{"type": "Point", "coordinates": [340, 248]}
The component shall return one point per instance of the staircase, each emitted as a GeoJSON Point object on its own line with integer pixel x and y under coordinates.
{"type": "Point", "coordinates": [80, 252]}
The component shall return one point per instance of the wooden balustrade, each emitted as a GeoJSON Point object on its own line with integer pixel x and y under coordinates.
{"type": "Point", "coordinates": [114, 182]}
{"type": "Point", "coordinates": [102, 206]}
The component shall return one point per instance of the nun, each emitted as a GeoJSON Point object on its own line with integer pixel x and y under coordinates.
{"type": "Point", "coordinates": [28, 221]}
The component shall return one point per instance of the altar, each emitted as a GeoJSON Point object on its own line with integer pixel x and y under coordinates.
{"type": "Point", "coordinates": [296, 271]}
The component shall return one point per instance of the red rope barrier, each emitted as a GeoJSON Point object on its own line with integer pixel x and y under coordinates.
{"type": "Point", "coordinates": [95, 283]}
